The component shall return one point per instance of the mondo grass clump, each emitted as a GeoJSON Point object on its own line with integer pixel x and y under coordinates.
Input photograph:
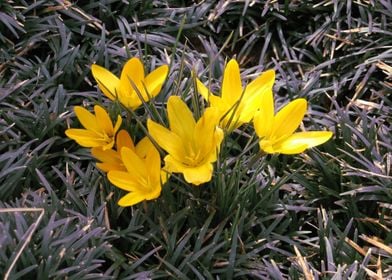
{"type": "Point", "coordinates": [195, 139]}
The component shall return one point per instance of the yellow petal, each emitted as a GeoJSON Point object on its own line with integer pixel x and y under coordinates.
{"type": "Point", "coordinates": [267, 146]}
{"type": "Point", "coordinates": [107, 82]}
{"type": "Point", "coordinates": [109, 156]}
{"type": "Point", "coordinates": [231, 85]}
{"type": "Point", "coordinates": [288, 119]}
{"type": "Point", "coordinates": [153, 160]}
{"type": "Point", "coordinates": [166, 139]}
{"type": "Point", "coordinates": [155, 191]}
{"type": "Point", "coordinates": [154, 81]}
{"type": "Point", "coordinates": [87, 119]}
{"type": "Point", "coordinates": [143, 147]}
{"type": "Point", "coordinates": [118, 124]}
{"type": "Point", "coordinates": [123, 139]}
{"type": "Point", "coordinates": [284, 148]}
{"type": "Point", "coordinates": [262, 83]}
{"type": "Point", "coordinates": [75, 133]}
{"type": "Point", "coordinates": [254, 96]}
{"type": "Point", "coordinates": [132, 76]}
{"type": "Point", "coordinates": [216, 101]}
{"type": "Point", "coordinates": [212, 155]}
{"type": "Point", "coordinates": [201, 174]}
{"type": "Point", "coordinates": [264, 119]}
{"type": "Point", "coordinates": [205, 127]}
{"type": "Point", "coordinates": [85, 138]}
{"type": "Point", "coordinates": [203, 90]}
{"type": "Point", "coordinates": [218, 138]}
{"type": "Point", "coordinates": [131, 199]}
{"type": "Point", "coordinates": [300, 141]}
{"type": "Point", "coordinates": [123, 180]}
{"type": "Point", "coordinates": [103, 120]}
{"type": "Point", "coordinates": [194, 175]}
{"type": "Point", "coordinates": [247, 109]}
{"type": "Point", "coordinates": [106, 167]}
{"type": "Point", "coordinates": [205, 133]}
{"type": "Point", "coordinates": [165, 175]}
{"type": "Point", "coordinates": [134, 164]}
{"type": "Point", "coordinates": [181, 119]}
{"type": "Point", "coordinates": [108, 145]}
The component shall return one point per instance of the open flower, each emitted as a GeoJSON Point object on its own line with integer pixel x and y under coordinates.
{"type": "Point", "coordinates": [111, 159]}
{"type": "Point", "coordinates": [192, 146]}
{"type": "Point", "coordinates": [277, 132]}
{"type": "Point", "coordinates": [237, 105]}
{"type": "Point", "coordinates": [142, 177]}
{"type": "Point", "coordinates": [99, 130]}
{"type": "Point", "coordinates": [132, 84]}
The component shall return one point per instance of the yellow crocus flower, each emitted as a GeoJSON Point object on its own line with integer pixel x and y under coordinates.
{"type": "Point", "coordinates": [237, 105]}
{"type": "Point", "coordinates": [277, 132]}
{"type": "Point", "coordinates": [111, 159]}
{"type": "Point", "coordinates": [142, 177]}
{"type": "Point", "coordinates": [131, 84]}
{"type": "Point", "coordinates": [99, 130]}
{"type": "Point", "coordinates": [192, 146]}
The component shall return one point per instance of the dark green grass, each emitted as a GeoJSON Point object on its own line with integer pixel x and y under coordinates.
{"type": "Point", "coordinates": [262, 217]}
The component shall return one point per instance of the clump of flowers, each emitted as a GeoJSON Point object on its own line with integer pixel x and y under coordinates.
{"type": "Point", "coordinates": [191, 146]}
{"type": "Point", "coordinates": [98, 129]}
{"type": "Point", "coordinates": [277, 131]}
{"type": "Point", "coordinates": [134, 87]}
{"type": "Point", "coordinates": [237, 104]}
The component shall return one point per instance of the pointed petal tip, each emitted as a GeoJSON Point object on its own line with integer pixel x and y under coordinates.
{"type": "Point", "coordinates": [233, 65]}
{"type": "Point", "coordinates": [300, 141]}
{"type": "Point", "coordinates": [233, 62]}
{"type": "Point", "coordinates": [164, 67]}
{"type": "Point", "coordinates": [79, 109]}
{"type": "Point", "coordinates": [134, 60]}
{"type": "Point", "coordinates": [95, 68]}
{"type": "Point", "coordinates": [174, 98]}
{"type": "Point", "coordinates": [130, 199]}
{"type": "Point", "coordinates": [298, 102]}
{"type": "Point", "coordinates": [270, 75]}
{"type": "Point", "coordinates": [100, 108]}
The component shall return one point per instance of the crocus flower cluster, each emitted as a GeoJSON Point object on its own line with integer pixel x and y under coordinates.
{"type": "Point", "coordinates": [191, 145]}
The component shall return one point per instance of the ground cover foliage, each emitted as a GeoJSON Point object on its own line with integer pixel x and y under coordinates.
{"type": "Point", "coordinates": [324, 214]}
